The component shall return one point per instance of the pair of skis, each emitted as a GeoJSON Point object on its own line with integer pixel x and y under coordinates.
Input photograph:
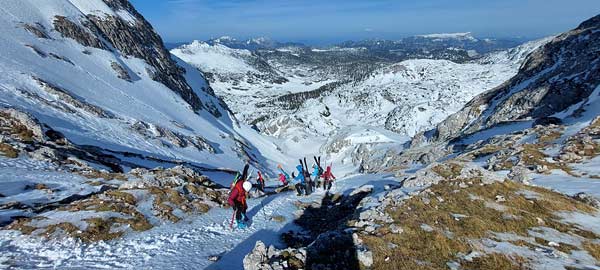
{"type": "Point", "coordinates": [318, 162]}
{"type": "Point", "coordinates": [307, 180]}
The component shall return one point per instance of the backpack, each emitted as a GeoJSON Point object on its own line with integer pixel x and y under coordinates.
{"type": "Point", "coordinates": [238, 177]}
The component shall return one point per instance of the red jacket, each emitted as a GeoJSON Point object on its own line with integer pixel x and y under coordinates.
{"type": "Point", "coordinates": [260, 177]}
{"type": "Point", "coordinates": [327, 175]}
{"type": "Point", "coordinates": [238, 194]}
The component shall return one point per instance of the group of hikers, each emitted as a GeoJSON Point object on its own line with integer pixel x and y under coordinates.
{"type": "Point", "coordinates": [305, 183]}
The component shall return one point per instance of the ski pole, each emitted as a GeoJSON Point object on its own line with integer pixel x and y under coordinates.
{"type": "Point", "coordinates": [232, 218]}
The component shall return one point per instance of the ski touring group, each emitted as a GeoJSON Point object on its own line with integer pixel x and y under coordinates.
{"type": "Point", "coordinates": [303, 180]}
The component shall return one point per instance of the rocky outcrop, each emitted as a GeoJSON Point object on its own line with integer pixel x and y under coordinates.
{"type": "Point", "coordinates": [177, 139]}
{"type": "Point", "coordinates": [121, 71]}
{"type": "Point", "coordinates": [37, 29]}
{"type": "Point", "coordinates": [271, 258]}
{"type": "Point", "coordinates": [74, 31]}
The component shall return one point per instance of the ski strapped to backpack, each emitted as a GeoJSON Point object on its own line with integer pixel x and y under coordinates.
{"type": "Point", "coordinates": [318, 162]}
{"type": "Point", "coordinates": [307, 179]}
{"type": "Point", "coordinates": [244, 175]}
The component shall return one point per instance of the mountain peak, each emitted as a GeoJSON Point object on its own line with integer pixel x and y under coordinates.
{"type": "Point", "coordinates": [223, 39]}
{"type": "Point", "coordinates": [459, 36]}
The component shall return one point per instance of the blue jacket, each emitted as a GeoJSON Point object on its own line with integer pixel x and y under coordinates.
{"type": "Point", "coordinates": [315, 172]}
{"type": "Point", "coordinates": [300, 177]}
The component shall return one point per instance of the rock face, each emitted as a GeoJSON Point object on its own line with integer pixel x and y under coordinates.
{"type": "Point", "coordinates": [133, 39]}
{"type": "Point", "coordinates": [562, 73]}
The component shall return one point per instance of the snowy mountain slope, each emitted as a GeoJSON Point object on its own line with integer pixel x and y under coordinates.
{"type": "Point", "coordinates": [259, 102]}
{"type": "Point", "coordinates": [215, 59]}
{"type": "Point", "coordinates": [410, 96]}
{"type": "Point", "coordinates": [244, 79]}
{"type": "Point", "coordinates": [303, 110]}
{"type": "Point", "coordinates": [121, 92]}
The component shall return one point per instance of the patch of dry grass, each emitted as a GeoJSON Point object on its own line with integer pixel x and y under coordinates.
{"type": "Point", "coordinates": [278, 218]}
{"type": "Point", "coordinates": [448, 170]}
{"type": "Point", "coordinates": [593, 249]}
{"type": "Point", "coordinates": [103, 175]}
{"type": "Point", "coordinates": [23, 133]}
{"type": "Point", "coordinates": [420, 249]}
{"type": "Point", "coordinates": [549, 134]}
{"type": "Point", "coordinates": [549, 137]}
{"type": "Point", "coordinates": [122, 196]}
{"type": "Point", "coordinates": [98, 228]}
{"type": "Point", "coordinates": [123, 203]}
{"type": "Point", "coordinates": [165, 199]}
{"type": "Point", "coordinates": [495, 261]}
{"type": "Point", "coordinates": [485, 150]}
{"type": "Point", "coordinates": [66, 227]}
{"type": "Point", "coordinates": [21, 225]}
{"type": "Point", "coordinates": [8, 151]}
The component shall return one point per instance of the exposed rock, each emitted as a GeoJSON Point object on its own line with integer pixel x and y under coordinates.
{"type": "Point", "coordinates": [396, 229]}
{"type": "Point", "coordinates": [61, 58]}
{"type": "Point", "coordinates": [587, 199]}
{"type": "Point", "coordinates": [37, 29]}
{"type": "Point", "coordinates": [141, 41]}
{"type": "Point", "coordinates": [121, 71]}
{"type": "Point", "coordinates": [75, 31]}
{"type": "Point", "coordinates": [519, 174]}
{"type": "Point", "coordinates": [257, 259]}
{"type": "Point", "coordinates": [172, 137]}
{"type": "Point", "coordinates": [546, 121]}
{"type": "Point", "coordinates": [261, 258]}
{"type": "Point", "coordinates": [363, 254]}
{"type": "Point", "coordinates": [69, 98]}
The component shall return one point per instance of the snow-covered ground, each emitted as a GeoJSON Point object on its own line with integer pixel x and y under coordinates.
{"type": "Point", "coordinates": [183, 245]}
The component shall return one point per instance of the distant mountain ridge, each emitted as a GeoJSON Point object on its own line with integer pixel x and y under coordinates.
{"type": "Point", "coordinates": [430, 46]}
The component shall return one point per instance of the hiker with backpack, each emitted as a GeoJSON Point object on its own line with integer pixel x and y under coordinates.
{"type": "Point", "coordinates": [317, 171]}
{"type": "Point", "coordinates": [315, 176]}
{"type": "Point", "coordinates": [328, 178]}
{"type": "Point", "coordinates": [237, 198]}
{"type": "Point", "coordinates": [284, 177]}
{"type": "Point", "coordinates": [299, 181]}
{"type": "Point", "coordinates": [260, 180]}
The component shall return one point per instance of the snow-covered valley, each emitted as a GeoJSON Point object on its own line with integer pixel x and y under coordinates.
{"type": "Point", "coordinates": [117, 153]}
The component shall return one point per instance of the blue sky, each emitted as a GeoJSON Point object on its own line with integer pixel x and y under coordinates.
{"type": "Point", "coordinates": [314, 21]}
